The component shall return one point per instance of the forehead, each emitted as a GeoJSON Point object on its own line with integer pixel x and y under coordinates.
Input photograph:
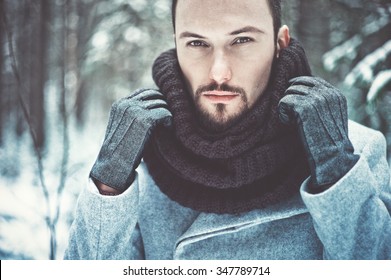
{"type": "Point", "coordinates": [212, 14]}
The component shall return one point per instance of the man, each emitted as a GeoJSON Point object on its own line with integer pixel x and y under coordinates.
{"type": "Point", "coordinates": [245, 155]}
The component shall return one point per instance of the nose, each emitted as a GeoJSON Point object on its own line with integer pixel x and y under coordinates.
{"type": "Point", "coordinates": [220, 70]}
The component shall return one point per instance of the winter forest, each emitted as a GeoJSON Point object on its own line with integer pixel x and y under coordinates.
{"type": "Point", "coordinates": [63, 63]}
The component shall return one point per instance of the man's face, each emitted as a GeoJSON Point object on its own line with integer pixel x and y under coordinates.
{"type": "Point", "coordinates": [225, 50]}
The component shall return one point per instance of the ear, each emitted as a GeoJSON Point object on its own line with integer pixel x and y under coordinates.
{"type": "Point", "coordinates": [283, 38]}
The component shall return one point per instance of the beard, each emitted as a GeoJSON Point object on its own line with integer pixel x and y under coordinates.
{"type": "Point", "coordinates": [219, 118]}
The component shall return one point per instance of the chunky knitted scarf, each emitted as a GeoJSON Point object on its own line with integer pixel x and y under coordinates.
{"type": "Point", "coordinates": [253, 164]}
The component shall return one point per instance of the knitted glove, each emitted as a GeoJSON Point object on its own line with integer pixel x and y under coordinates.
{"type": "Point", "coordinates": [319, 111]}
{"type": "Point", "coordinates": [131, 122]}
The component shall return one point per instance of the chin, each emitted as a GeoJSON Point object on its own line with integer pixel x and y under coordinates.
{"type": "Point", "coordinates": [220, 118]}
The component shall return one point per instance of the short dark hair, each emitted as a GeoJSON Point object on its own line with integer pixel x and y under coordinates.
{"type": "Point", "coordinates": [274, 5]}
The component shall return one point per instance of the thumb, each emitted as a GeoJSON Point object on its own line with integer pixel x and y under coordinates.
{"type": "Point", "coordinates": [167, 121]}
{"type": "Point", "coordinates": [162, 116]}
{"type": "Point", "coordinates": [286, 110]}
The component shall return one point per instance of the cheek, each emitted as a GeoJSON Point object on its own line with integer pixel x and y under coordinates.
{"type": "Point", "coordinates": [255, 79]}
{"type": "Point", "coordinates": [194, 66]}
{"type": "Point", "coordinates": [192, 73]}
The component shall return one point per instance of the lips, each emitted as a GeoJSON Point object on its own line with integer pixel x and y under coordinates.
{"type": "Point", "coordinates": [220, 96]}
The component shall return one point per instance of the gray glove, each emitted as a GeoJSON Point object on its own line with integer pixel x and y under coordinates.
{"type": "Point", "coordinates": [319, 111]}
{"type": "Point", "coordinates": [131, 122]}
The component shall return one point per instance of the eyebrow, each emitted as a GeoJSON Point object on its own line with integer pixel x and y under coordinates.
{"type": "Point", "coordinates": [187, 34]}
{"type": "Point", "coordinates": [247, 29]}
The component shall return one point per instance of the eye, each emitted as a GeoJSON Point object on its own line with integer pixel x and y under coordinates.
{"type": "Point", "coordinates": [197, 44]}
{"type": "Point", "coordinates": [242, 40]}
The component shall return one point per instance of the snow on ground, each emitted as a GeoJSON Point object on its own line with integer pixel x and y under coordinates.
{"type": "Point", "coordinates": [23, 231]}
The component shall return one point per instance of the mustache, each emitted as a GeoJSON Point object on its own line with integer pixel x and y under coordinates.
{"type": "Point", "coordinates": [222, 87]}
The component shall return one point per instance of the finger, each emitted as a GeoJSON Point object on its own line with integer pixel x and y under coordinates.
{"type": "Point", "coordinates": [152, 104]}
{"type": "Point", "coordinates": [162, 116]}
{"type": "Point", "coordinates": [298, 90]}
{"type": "Point", "coordinates": [136, 93]}
{"type": "Point", "coordinates": [150, 95]}
{"type": "Point", "coordinates": [303, 80]}
{"type": "Point", "coordinates": [166, 121]}
{"type": "Point", "coordinates": [321, 82]}
{"type": "Point", "coordinates": [310, 81]}
{"type": "Point", "coordinates": [144, 94]}
{"type": "Point", "coordinates": [152, 100]}
{"type": "Point", "coordinates": [286, 112]}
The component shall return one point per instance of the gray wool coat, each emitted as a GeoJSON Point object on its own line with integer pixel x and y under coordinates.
{"type": "Point", "coordinates": [351, 220]}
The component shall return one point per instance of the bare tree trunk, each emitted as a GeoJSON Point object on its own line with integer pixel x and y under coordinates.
{"type": "Point", "coordinates": [65, 13]}
{"type": "Point", "coordinates": [86, 13]}
{"type": "Point", "coordinates": [23, 57]}
{"type": "Point", "coordinates": [81, 101]}
{"type": "Point", "coordinates": [38, 73]}
{"type": "Point", "coordinates": [314, 31]}
{"type": "Point", "coordinates": [2, 87]}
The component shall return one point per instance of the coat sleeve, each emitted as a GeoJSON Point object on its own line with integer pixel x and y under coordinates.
{"type": "Point", "coordinates": [352, 218]}
{"type": "Point", "coordinates": [105, 227]}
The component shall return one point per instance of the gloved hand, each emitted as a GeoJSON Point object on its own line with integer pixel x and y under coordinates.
{"type": "Point", "coordinates": [131, 122]}
{"type": "Point", "coordinates": [319, 111]}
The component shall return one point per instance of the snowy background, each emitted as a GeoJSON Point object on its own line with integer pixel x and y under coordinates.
{"type": "Point", "coordinates": [63, 63]}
